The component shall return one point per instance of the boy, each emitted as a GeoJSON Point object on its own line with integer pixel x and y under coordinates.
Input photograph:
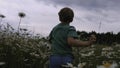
{"type": "Point", "coordinates": [63, 37]}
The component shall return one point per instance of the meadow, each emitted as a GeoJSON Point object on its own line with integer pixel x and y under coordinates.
{"type": "Point", "coordinates": [22, 49]}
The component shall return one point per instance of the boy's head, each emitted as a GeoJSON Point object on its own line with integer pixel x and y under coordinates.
{"type": "Point", "coordinates": [66, 15]}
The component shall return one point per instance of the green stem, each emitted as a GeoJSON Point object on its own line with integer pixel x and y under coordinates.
{"type": "Point", "coordinates": [19, 24]}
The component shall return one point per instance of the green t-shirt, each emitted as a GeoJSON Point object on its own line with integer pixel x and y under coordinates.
{"type": "Point", "coordinates": [58, 39]}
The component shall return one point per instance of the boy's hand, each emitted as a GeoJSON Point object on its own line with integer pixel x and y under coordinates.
{"type": "Point", "coordinates": [92, 39]}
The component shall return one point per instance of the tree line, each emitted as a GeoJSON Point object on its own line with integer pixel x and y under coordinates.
{"type": "Point", "coordinates": [108, 38]}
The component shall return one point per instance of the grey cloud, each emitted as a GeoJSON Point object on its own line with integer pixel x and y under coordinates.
{"type": "Point", "coordinates": [94, 11]}
{"type": "Point", "coordinates": [88, 4]}
{"type": "Point", "coordinates": [97, 7]}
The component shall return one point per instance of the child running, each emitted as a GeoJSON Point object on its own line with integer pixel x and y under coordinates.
{"type": "Point", "coordinates": [63, 37]}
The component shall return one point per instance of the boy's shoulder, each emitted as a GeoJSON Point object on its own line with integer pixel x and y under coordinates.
{"type": "Point", "coordinates": [72, 28]}
{"type": "Point", "coordinates": [68, 27]}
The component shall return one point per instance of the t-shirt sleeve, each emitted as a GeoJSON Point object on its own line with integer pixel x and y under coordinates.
{"type": "Point", "coordinates": [72, 32]}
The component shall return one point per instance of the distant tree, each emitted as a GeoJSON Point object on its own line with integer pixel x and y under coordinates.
{"type": "Point", "coordinates": [118, 38]}
{"type": "Point", "coordinates": [108, 38]}
{"type": "Point", "coordinates": [21, 15]}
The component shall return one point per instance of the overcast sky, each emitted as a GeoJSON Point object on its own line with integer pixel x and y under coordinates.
{"type": "Point", "coordinates": [42, 15]}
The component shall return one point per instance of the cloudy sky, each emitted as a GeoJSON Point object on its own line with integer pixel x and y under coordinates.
{"type": "Point", "coordinates": [42, 15]}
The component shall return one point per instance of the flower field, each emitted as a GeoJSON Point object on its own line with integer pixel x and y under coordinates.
{"type": "Point", "coordinates": [24, 50]}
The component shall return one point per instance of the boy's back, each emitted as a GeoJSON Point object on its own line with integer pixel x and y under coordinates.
{"type": "Point", "coordinates": [59, 36]}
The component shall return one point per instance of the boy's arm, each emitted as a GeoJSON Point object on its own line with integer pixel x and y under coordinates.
{"type": "Point", "coordinates": [77, 43]}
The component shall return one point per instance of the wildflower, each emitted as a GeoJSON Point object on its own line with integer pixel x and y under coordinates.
{"type": "Point", "coordinates": [26, 59]}
{"type": "Point", "coordinates": [2, 63]}
{"type": "Point", "coordinates": [21, 15]}
{"type": "Point", "coordinates": [69, 65]}
{"type": "Point", "coordinates": [106, 64]}
{"type": "Point", "coordinates": [2, 16]}
{"type": "Point", "coordinates": [36, 55]}
{"type": "Point", "coordinates": [81, 65]}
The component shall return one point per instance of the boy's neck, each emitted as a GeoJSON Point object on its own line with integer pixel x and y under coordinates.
{"type": "Point", "coordinates": [65, 23]}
